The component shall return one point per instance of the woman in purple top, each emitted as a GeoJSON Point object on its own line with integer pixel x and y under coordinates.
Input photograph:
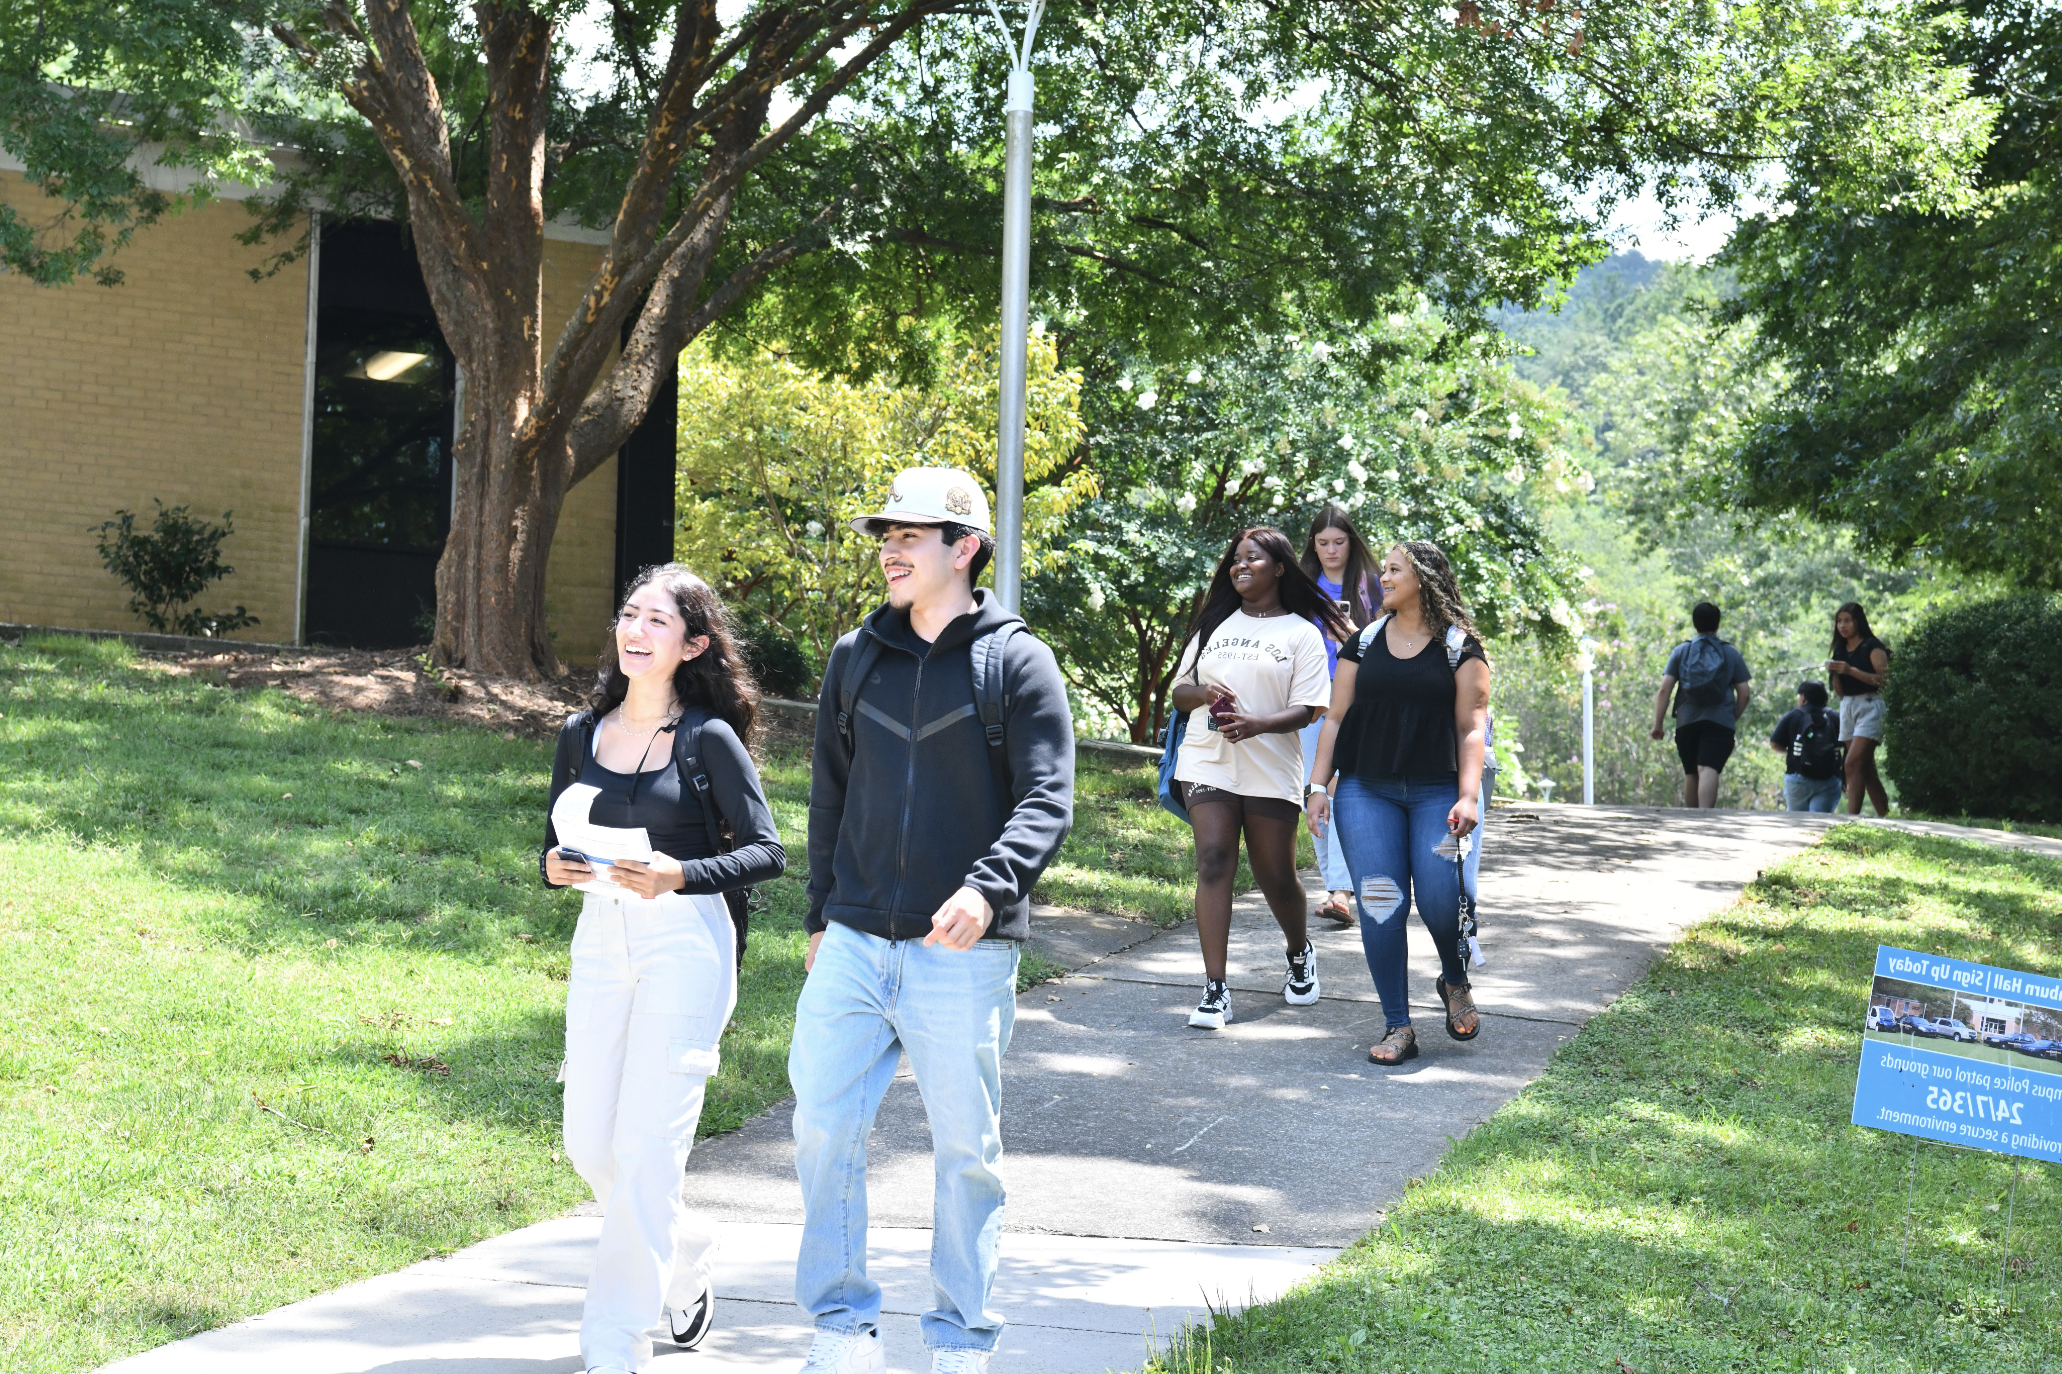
{"type": "Point", "coordinates": [1338, 558]}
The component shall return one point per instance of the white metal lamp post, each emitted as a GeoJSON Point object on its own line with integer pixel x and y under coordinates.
{"type": "Point", "coordinates": [1016, 309]}
{"type": "Point", "coordinates": [1588, 660]}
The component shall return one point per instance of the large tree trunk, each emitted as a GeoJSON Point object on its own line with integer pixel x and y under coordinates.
{"type": "Point", "coordinates": [490, 581]}
{"type": "Point", "coordinates": [531, 426]}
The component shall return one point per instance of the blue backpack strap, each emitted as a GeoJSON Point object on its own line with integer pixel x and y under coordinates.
{"type": "Point", "coordinates": [866, 650]}
{"type": "Point", "coordinates": [991, 700]}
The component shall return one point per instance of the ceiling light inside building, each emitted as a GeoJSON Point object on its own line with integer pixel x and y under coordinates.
{"type": "Point", "coordinates": [385, 366]}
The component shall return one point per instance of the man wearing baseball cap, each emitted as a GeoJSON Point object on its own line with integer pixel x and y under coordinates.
{"type": "Point", "coordinates": [943, 785]}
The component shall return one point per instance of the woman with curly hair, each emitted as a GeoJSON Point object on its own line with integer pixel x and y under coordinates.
{"type": "Point", "coordinates": [1404, 738]}
{"type": "Point", "coordinates": [1250, 677]}
{"type": "Point", "coordinates": [655, 955]}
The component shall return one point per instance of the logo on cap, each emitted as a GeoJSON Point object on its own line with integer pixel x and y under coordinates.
{"type": "Point", "coordinates": [959, 501]}
{"type": "Point", "coordinates": [894, 497]}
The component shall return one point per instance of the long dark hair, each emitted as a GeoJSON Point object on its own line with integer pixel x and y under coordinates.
{"type": "Point", "coordinates": [717, 679]}
{"type": "Point", "coordinates": [1861, 625]}
{"type": "Point", "coordinates": [1301, 596]}
{"type": "Point", "coordinates": [1360, 560]}
{"type": "Point", "coordinates": [1439, 594]}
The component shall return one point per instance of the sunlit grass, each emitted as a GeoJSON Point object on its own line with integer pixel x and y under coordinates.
{"type": "Point", "coordinates": [1681, 1191]}
{"type": "Point", "coordinates": [285, 1000]}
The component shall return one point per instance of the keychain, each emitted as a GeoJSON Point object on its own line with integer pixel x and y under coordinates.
{"type": "Point", "coordinates": [1456, 847]}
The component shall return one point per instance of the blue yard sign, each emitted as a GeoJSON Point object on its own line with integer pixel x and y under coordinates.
{"type": "Point", "coordinates": [1963, 1053]}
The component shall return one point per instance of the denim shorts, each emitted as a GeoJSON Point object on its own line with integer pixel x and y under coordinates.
{"type": "Point", "coordinates": [1862, 717]}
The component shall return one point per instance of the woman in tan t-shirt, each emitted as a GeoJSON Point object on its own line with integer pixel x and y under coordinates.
{"type": "Point", "coordinates": [1254, 673]}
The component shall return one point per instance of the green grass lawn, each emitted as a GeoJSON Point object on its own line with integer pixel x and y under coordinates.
{"type": "Point", "coordinates": [285, 998]}
{"type": "Point", "coordinates": [1680, 1191]}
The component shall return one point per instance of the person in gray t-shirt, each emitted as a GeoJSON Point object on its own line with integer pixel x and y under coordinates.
{"type": "Point", "coordinates": [1707, 709]}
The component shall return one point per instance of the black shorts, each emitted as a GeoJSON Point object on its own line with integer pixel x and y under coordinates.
{"type": "Point", "coordinates": [1195, 794]}
{"type": "Point", "coordinates": [1703, 744]}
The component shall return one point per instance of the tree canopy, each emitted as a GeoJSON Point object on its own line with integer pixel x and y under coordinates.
{"type": "Point", "coordinates": [1921, 405]}
{"type": "Point", "coordinates": [1204, 170]}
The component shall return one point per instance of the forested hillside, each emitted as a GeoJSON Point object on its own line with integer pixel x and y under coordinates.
{"type": "Point", "coordinates": [1660, 397]}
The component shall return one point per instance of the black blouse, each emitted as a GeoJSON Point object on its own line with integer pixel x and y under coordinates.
{"type": "Point", "coordinates": [657, 802]}
{"type": "Point", "coordinates": [1400, 724]}
{"type": "Point", "coordinates": [1863, 657]}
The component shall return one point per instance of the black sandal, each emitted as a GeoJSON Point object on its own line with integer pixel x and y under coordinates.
{"type": "Point", "coordinates": [1464, 996]}
{"type": "Point", "coordinates": [1405, 1041]}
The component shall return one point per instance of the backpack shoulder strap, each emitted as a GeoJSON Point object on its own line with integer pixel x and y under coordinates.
{"type": "Point", "coordinates": [866, 650]}
{"type": "Point", "coordinates": [992, 701]}
{"type": "Point", "coordinates": [687, 756]}
{"type": "Point", "coordinates": [1374, 627]}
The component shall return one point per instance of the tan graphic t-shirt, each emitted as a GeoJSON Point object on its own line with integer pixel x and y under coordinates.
{"type": "Point", "coordinates": [1271, 663]}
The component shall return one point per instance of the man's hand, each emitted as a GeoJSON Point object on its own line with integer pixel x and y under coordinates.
{"type": "Point", "coordinates": [961, 921]}
{"type": "Point", "coordinates": [809, 959]}
{"type": "Point", "coordinates": [1657, 732]}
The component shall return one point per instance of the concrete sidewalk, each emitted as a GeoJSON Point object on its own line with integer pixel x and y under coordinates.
{"type": "Point", "coordinates": [1153, 1169]}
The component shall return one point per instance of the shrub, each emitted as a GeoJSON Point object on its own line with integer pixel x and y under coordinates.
{"type": "Point", "coordinates": [1975, 704]}
{"type": "Point", "coordinates": [169, 567]}
{"type": "Point", "coordinates": [781, 666]}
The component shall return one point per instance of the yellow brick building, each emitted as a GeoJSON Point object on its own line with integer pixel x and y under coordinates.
{"type": "Point", "coordinates": [194, 385]}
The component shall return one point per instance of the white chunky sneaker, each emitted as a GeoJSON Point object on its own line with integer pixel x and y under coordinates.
{"type": "Point", "coordinates": [1215, 1009]}
{"type": "Point", "coordinates": [1299, 988]}
{"type": "Point", "coordinates": [846, 1352]}
{"type": "Point", "coordinates": [959, 1362]}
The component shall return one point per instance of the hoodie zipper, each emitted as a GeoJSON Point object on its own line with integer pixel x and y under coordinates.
{"type": "Point", "coordinates": [908, 801]}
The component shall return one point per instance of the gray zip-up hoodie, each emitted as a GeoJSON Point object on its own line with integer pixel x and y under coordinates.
{"type": "Point", "coordinates": [917, 813]}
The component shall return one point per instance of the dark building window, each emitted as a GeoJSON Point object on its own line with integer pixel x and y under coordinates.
{"type": "Point", "coordinates": [381, 478]}
{"type": "Point", "coordinates": [380, 503]}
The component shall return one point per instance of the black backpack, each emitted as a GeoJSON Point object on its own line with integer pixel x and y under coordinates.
{"type": "Point", "coordinates": [1816, 748]}
{"type": "Point", "coordinates": [989, 700]}
{"type": "Point", "coordinates": [687, 755]}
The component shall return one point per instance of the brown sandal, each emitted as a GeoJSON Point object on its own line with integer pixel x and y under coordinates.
{"type": "Point", "coordinates": [1401, 1044]}
{"type": "Point", "coordinates": [1332, 909]}
{"type": "Point", "coordinates": [1459, 1002]}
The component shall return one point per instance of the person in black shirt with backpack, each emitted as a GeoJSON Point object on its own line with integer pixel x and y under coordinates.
{"type": "Point", "coordinates": [1808, 738]}
{"type": "Point", "coordinates": [654, 767]}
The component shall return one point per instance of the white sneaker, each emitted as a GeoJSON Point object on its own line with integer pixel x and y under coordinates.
{"type": "Point", "coordinates": [846, 1352]}
{"type": "Point", "coordinates": [1299, 988]}
{"type": "Point", "coordinates": [959, 1362]}
{"type": "Point", "coordinates": [1215, 1009]}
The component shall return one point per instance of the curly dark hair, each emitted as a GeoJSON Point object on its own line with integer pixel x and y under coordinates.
{"type": "Point", "coordinates": [1301, 596]}
{"type": "Point", "coordinates": [1439, 594]}
{"type": "Point", "coordinates": [717, 679]}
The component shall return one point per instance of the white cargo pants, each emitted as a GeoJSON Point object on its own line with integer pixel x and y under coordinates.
{"type": "Point", "coordinates": [652, 987]}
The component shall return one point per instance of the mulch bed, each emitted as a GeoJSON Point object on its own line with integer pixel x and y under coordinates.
{"type": "Point", "coordinates": [396, 682]}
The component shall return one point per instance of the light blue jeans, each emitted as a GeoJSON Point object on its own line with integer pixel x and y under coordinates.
{"type": "Point", "coordinates": [1388, 828]}
{"type": "Point", "coordinates": [1811, 794]}
{"type": "Point", "coordinates": [866, 1001]}
{"type": "Point", "coordinates": [1331, 860]}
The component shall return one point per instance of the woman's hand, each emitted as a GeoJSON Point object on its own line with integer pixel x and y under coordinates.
{"type": "Point", "coordinates": [1463, 817]}
{"type": "Point", "coordinates": [1317, 808]}
{"type": "Point", "coordinates": [563, 871]}
{"type": "Point", "coordinates": [650, 881]}
{"type": "Point", "coordinates": [1236, 727]}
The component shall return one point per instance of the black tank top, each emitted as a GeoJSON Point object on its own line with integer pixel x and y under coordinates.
{"type": "Point", "coordinates": [1401, 722]}
{"type": "Point", "coordinates": [1860, 657]}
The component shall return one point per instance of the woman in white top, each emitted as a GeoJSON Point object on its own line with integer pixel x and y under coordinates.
{"type": "Point", "coordinates": [1260, 677]}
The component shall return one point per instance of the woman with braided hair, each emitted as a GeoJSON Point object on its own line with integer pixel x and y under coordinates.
{"type": "Point", "coordinates": [1405, 737]}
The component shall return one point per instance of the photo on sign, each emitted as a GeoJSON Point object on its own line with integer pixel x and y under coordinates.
{"type": "Point", "coordinates": [1970, 1026]}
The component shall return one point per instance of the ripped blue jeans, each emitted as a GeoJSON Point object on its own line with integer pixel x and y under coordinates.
{"type": "Point", "coordinates": [1388, 827]}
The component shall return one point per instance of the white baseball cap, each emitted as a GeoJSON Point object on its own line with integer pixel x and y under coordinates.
{"type": "Point", "coordinates": [931, 496]}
